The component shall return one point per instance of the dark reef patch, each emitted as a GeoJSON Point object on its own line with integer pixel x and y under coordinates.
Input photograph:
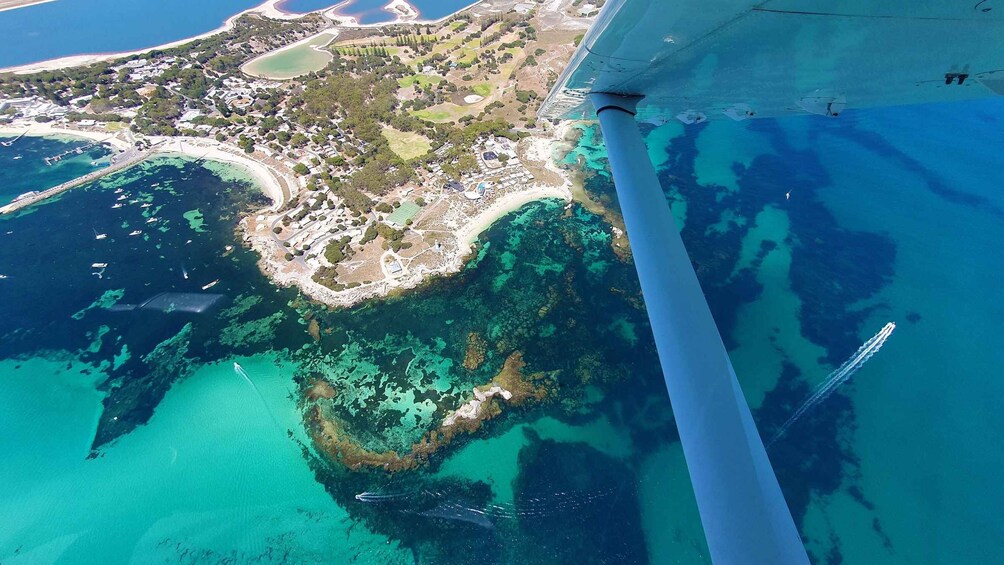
{"type": "Point", "coordinates": [833, 269]}
{"type": "Point", "coordinates": [143, 351]}
{"type": "Point", "coordinates": [879, 145]}
{"type": "Point", "coordinates": [604, 533]}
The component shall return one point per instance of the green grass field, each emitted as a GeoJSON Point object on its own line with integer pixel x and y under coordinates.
{"type": "Point", "coordinates": [405, 212]}
{"type": "Point", "coordinates": [407, 145]}
{"type": "Point", "coordinates": [421, 80]}
{"type": "Point", "coordinates": [292, 62]}
{"type": "Point", "coordinates": [466, 54]}
{"type": "Point", "coordinates": [483, 89]}
{"type": "Point", "coordinates": [433, 115]}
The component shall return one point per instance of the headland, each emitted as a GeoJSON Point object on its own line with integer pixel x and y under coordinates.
{"type": "Point", "coordinates": [383, 166]}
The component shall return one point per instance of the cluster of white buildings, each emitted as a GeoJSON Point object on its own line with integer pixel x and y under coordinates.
{"type": "Point", "coordinates": [143, 70]}
{"type": "Point", "coordinates": [495, 171]}
{"type": "Point", "coordinates": [31, 108]}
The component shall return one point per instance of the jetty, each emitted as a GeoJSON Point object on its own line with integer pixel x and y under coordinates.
{"type": "Point", "coordinates": [75, 151]}
{"type": "Point", "coordinates": [121, 161]}
{"type": "Point", "coordinates": [11, 142]}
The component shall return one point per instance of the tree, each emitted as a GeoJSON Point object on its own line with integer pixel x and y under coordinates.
{"type": "Point", "coordinates": [334, 252]}
{"type": "Point", "coordinates": [300, 169]}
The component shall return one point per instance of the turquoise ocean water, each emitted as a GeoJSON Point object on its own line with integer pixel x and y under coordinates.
{"type": "Point", "coordinates": [129, 436]}
{"type": "Point", "coordinates": [894, 215]}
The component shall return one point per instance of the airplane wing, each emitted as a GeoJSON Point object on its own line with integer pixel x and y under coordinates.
{"type": "Point", "coordinates": [657, 60]}
{"type": "Point", "coordinates": [741, 59]}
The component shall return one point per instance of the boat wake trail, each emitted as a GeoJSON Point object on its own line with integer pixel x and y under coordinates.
{"type": "Point", "coordinates": [433, 504]}
{"type": "Point", "coordinates": [838, 377]}
{"type": "Point", "coordinates": [244, 375]}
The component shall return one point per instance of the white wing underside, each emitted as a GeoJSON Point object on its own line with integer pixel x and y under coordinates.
{"type": "Point", "coordinates": [695, 60]}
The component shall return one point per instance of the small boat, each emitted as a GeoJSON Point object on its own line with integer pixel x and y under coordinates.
{"type": "Point", "coordinates": [16, 157]}
{"type": "Point", "coordinates": [134, 201]}
{"type": "Point", "coordinates": [210, 285]}
{"type": "Point", "coordinates": [3, 277]}
{"type": "Point", "coordinates": [122, 197]}
{"type": "Point", "coordinates": [147, 205]}
{"type": "Point", "coordinates": [117, 205]}
{"type": "Point", "coordinates": [98, 265]}
{"type": "Point", "coordinates": [119, 191]}
{"type": "Point", "coordinates": [151, 220]}
{"type": "Point", "coordinates": [135, 232]}
{"type": "Point", "coordinates": [97, 235]}
{"type": "Point", "coordinates": [155, 185]}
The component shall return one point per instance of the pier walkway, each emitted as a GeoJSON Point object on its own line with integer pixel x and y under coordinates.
{"type": "Point", "coordinates": [11, 142]}
{"type": "Point", "coordinates": [123, 160]}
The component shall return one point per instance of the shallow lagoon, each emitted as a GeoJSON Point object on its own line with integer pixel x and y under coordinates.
{"type": "Point", "coordinates": [292, 62]}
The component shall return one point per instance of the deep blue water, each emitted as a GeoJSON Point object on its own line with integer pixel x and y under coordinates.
{"type": "Point", "coordinates": [23, 168]}
{"type": "Point", "coordinates": [808, 235]}
{"type": "Point", "coordinates": [75, 27]}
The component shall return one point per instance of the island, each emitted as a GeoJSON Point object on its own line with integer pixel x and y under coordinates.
{"type": "Point", "coordinates": [385, 149]}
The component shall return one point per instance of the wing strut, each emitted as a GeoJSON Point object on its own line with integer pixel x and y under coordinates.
{"type": "Point", "coordinates": [743, 512]}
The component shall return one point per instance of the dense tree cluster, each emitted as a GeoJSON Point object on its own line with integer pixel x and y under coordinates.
{"type": "Point", "coordinates": [195, 68]}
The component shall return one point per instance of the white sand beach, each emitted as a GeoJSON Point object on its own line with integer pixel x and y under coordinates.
{"type": "Point", "coordinates": [269, 179]}
{"type": "Point", "coordinates": [470, 231]}
{"type": "Point", "coordinates": [405, 12]}
{"type": "Point", "coordinates": [49, 130]}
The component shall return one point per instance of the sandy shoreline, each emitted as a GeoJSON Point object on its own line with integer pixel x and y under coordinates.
{"type": "Point", "coordinates": [247, 67]}
{"type": "Point", "coordinates": [268, 177]}
{"type": "Point", "coordinates": [270, 181]}
{"type": "Point", "coordinates": [212, 150]}
{"type": "Point", "coordinates": [391, 7]}
{"type": "Point", "coordinates": [269, 9]}
{"type": "Point", "coordinates": [469, 232]}
{"type": "Point", "coordinates": [48, 130]}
